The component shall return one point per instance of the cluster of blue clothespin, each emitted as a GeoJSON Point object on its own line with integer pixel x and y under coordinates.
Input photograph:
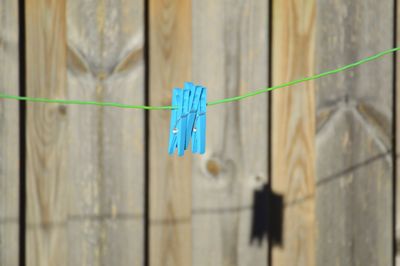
{"type": "Point", "coordinates": [188, 119]}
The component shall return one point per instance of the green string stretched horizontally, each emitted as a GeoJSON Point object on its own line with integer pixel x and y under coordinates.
{"type": "Point", "coordinates": [226, 100]}
{"type": "Point", "coordinates": [112, 104]}
{"type": "Point", "coordinates": [297, 81]}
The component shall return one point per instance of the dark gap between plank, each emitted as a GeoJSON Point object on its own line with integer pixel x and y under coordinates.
{"type": "Point", "coordinates": [269, 123]}
{"type": "Point", "coordinates": [146, 236]}
{"type": "Point", "coordinates": [394, 137]}
{"type": "Point", "coordinates": [22, 133]}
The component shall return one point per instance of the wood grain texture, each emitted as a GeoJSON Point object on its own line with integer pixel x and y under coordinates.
{"type": "Point", "coordinates": [170, 176]}
{"type": "Point", "coordinates": [46, 134]}
{"type": "Point", "coordinates": [9, 134]}
{"type": "Point", "coordinates": [85, 165]}
{"type": "Point", "coordinates": [293, 130]}
{"type": "Point", "coordinates": [106, 145]}
{"type": "Point", "coordinates": [230, 57]}
{"type": "Point", "coordinates": [354, 134]}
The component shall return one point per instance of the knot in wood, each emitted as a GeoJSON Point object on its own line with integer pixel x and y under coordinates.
{"type": "Point", "coordinates": [213, 167]}
{"type": "Point", "coordinates": [62, 109]}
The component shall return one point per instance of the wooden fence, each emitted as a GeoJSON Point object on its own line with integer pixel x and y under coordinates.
{"type": "Point", "coordinates": [302, 176]}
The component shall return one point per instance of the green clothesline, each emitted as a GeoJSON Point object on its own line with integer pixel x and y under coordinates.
{"type": "Point", "coordinates": [226, 100]}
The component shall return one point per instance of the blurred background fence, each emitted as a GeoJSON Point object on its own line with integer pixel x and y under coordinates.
{"type": "Point", "coordinates": [302, 176]}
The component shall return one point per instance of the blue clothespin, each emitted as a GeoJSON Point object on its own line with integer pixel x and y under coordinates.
{"type": "Point", "coordinates": [175, 115]}
{"type": "Point", "coordinates": [199, 130]}
{"type": "Point", "coordinates": [177, 132]}
{"type": "Point", "coordinates": [183, 121]}
{"type": "Point", "coordinates": [188, 119]}
{"type": "Point", "coordinates": [194, 101]}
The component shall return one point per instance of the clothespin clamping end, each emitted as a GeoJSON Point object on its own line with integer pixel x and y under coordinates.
{"type": "Point", "coordinates": [188, 119]}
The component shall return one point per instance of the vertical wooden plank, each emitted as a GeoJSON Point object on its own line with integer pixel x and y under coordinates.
{"type": "Point", "coordinates": [46, 134]}
{"type": "Point", "coordinates": [9, 132]}
{"type": "Point", "coordinates": [354, 134]}
{"type": "Point", "coordinates": [230, 57]}
{"type": "Point", "coordinates": [85, 165]}
{"type": "Point", "coordinates": [106, 145]}
{"type": "Point", "coordinates": [170, 176]}
{"type": "Point", "coordinates": [293, 129]}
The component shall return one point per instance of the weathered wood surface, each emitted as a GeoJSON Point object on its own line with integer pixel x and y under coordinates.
{"type": "Point", "coordinates": [170, 176]}
{"type": "Point", "coordinates": [331, 148]}
{"type": "Point", "coordinates": [9, 134]}
{"type": "Point", "coordinates": [47, 186]}
{"type": "Point", "coordinates": [85, 164]}
{"type": "Point", "coordinates": [293, 130]}
{"type": "Point", "coordinates": [354, 134]}
{"type": "Point", "coordinates": [106, 145]}
{"type": "Point", "coordinates": [230, 57]}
